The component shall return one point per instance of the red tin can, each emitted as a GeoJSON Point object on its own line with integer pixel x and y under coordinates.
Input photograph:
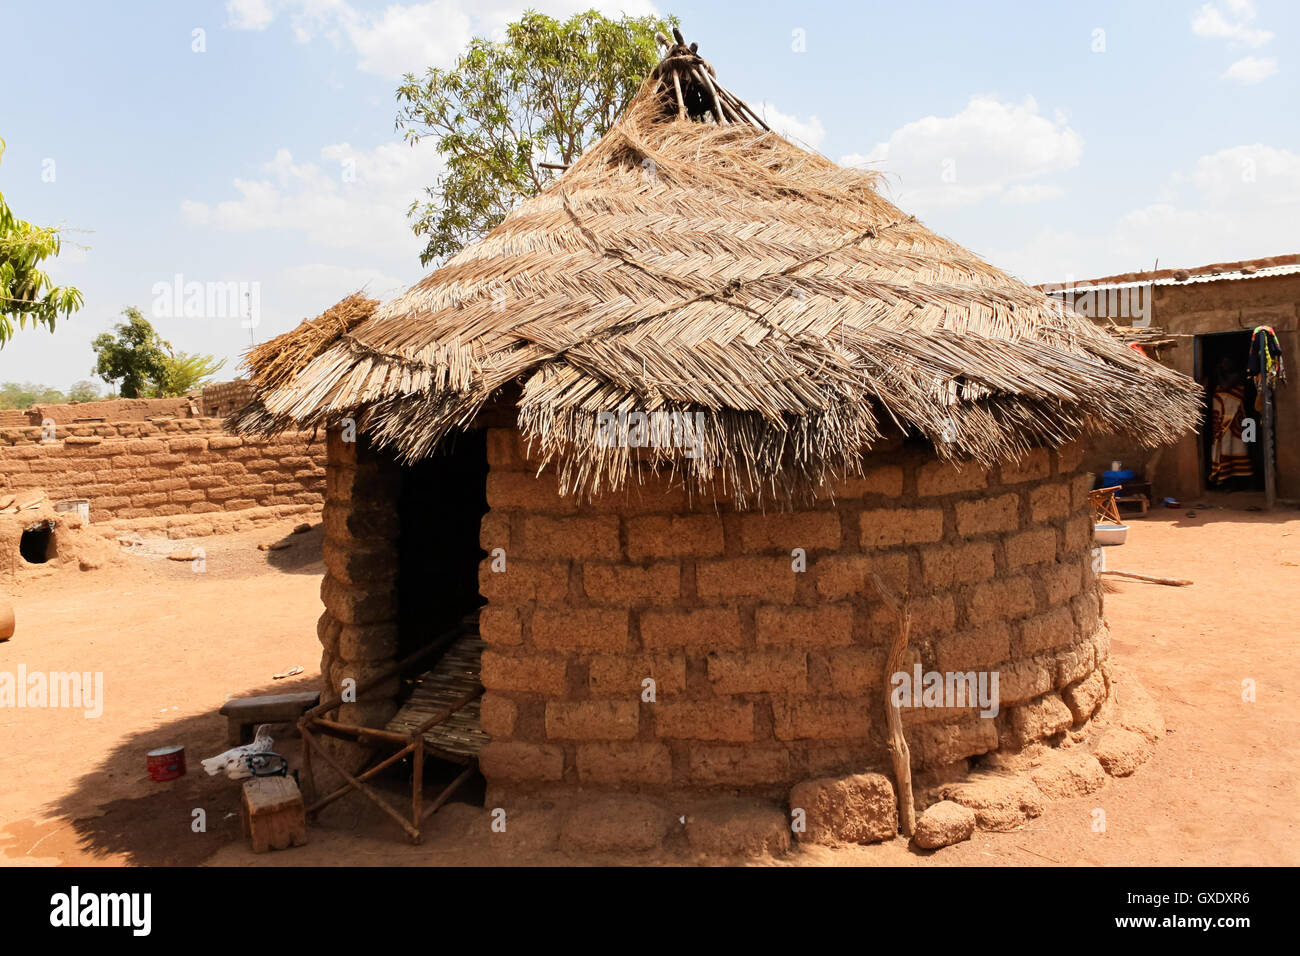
{"type": "Point", "coordinates": [166, 763]}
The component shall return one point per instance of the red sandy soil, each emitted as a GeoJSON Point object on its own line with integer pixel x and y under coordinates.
{"type": "Point", "coordinates": [1220, 790]}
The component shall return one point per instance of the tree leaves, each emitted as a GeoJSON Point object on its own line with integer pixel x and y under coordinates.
{"type": "Point", "coordinates": [542, 95]}
{"type": "Point", "coordinates": [27, 293]}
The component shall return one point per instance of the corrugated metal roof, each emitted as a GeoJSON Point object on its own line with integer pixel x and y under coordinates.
{"type": "Point", "coordinates": [1231, 276]}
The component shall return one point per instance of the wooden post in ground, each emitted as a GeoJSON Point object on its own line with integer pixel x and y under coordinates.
{"type": "Point", "coordinates": [899, 752]}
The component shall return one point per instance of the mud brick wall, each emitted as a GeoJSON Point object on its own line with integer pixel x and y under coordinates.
{"type": "Point", "coordinates": [143, 469]}
{"type": "Point", "coordinates": [765, 676]}
{"type": "Point", "coordinates": [111, 410]}
{"type": "Point", "coordinates": [358, 630]}
{"type": "Point", "coordinates": [1209, 307]}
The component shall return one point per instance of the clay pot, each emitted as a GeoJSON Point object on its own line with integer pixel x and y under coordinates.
{"type": "Point", "coordinates": [6, 620]}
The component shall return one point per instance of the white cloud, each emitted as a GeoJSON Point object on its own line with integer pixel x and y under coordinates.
{"type": "Point", "coordinates": [349, 199]}
{"type": "Point", "coordinates": [249, 14]}
{"type": "Point", "coordinates": [1023, 194]}
{"type": "Point", "coordinates": [981, 152]}
{"type": "Point", "coordinates": [407, 38]}
{"type": "Point", "coordinates": [1251, 69]}
{"type": "Point", "coordinates": [1238, 203]}
{"type": "Point", "coordinates": [809, 132]}
{"type": "Point", "coordinates": [1210, 22]}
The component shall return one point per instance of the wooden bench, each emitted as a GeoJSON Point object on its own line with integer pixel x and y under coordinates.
{"type": "Point", "coordinates": [273, 814]}
{"type": "Point", "coordinates": [244, 713]}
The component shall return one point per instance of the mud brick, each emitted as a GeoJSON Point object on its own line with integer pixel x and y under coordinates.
{"type": "Point", "coordinates": [1031, 547]}
{"type": "Point", "coordinates": [810, 530]}
{"type": "Point", "coordinates": [841, 576]}
{"type": "Point", "coordinates": [705, 720]}
{"type": "Point", "coordinates": [1056, 628]}
{"type": "Point", "coordinates": [522, 581]}
{"type": "Point", "coordinates": [1007, 598]}
{"type": "Point", "coordinates": [983, 645]}
{"type": "Point", "coordinates": [945, 566]}
{"type": "Point", "coordinates": [825, 626]}
{"type": "Point", "coordinates": [738, 766]}
{"type": "Point", "coordinates": [1036, 464]}
{"type": "Point", "coordinates": [570, 537]}
{"type": "Point", "coordinates": [612, 675]}
{"type": "Point", "coordinates": [534, 493]}
{"type": "Point", "coordinates": [1049, 502]}
{"type": "Point", "coordinates": [500, 624]}
{"type": "Point", "coordinates": [820, 719]}
{"type": "Point", "coordinates": [580, 629]}
{"type": "Point", "coordinates": [514, 760]}
{"type": "Point", "coordinates": [988, 514]}
{"type": "Point", "coordinates": [623, 585]}
{"type": "Point", "coordinates": [498, 714]}
{"type": "Point", "coordinates": [611, 719]}
{"type": "Point", "coordinates": [612, 764]}
{"type": "Point", "coordinates": [757, 672]}
{"type": "Point", "coordinates": [945, 478]}
{"type": "Point", "coordinates": [884, 527]}
{"type": "Point", "coordinates": [768, 578]}
{"type": "Point", "coordinates": [707, 628]}
{"type": "Point", "coordinates": [531, 673]}
{"type": "Point", "coordinates": [660, 536]}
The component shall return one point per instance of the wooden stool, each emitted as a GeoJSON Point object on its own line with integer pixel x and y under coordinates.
{"type": "Point", "coordinates": [273, 814]}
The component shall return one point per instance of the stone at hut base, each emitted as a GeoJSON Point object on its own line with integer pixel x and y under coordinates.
{"type": "Point", "coordinates": [1122, 751]}
{"type": "Point", "coordinates": [737, 828]}
{"type": "Point", "coordinates": [614, 824]}
{"type": "Point", "coordinates": [859, 808]}
{"type": "Point", "coordinates": [944, 824]}
{"type": "Point", "coordinates": [1068, 773]}
{"type": "Point", "coordinates": [1000, 802]}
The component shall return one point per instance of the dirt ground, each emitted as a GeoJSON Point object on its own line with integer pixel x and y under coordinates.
{"type": "Point", "coordinates": [174, 644]}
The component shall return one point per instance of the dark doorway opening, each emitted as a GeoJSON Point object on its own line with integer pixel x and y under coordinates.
{"type": "Point", "coordinates": [37, 543]}
{"type": "Point", "coordinates": [442, 503]}
{"type": "Point", "coordinates": [1222, 360]}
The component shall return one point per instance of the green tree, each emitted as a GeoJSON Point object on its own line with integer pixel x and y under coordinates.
{"type": "Point", "coordinates": [26, 292]}
{"type": "Point", "coordinates": [84, 391]}
{"type": "Point", "coordinates": [27, 394]}
{"type": "Point", "coordinates": [186, 371]}
{"type": "Point", "coordinates": [136, 355]}
{"type": "Point", "coordinates": [542, 95]}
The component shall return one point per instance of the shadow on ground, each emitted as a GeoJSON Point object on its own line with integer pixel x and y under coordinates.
{"type": "Point", "coordinates": [158, 829]}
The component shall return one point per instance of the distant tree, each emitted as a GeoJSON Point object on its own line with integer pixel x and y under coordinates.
{"type": "Point", "coordinates": [548, 90]}
{"type": "Point", "coordinates": [185, 372]}
{"type": "Point", "coordinates": [84, 391]}
{"type": "Point", "coordinates": [26, 394]}
{"type": "Point", "coordinates": [136, 356]}
{"type": "Point", "coordinates": [26, 292]}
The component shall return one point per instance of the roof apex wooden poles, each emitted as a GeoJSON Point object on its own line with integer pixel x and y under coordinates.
{"type": "Point", "coordinates": [692, 82]}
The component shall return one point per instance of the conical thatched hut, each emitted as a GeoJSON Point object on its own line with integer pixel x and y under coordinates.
{"type": "Point", "coordinates": [701, 400]}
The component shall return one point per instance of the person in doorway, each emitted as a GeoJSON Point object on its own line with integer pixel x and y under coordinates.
{"type": "Point", "coordinates": [1229, 460]}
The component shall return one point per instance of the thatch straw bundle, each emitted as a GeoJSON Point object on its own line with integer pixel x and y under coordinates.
{"type": "Point", "coordinates": [693, 261]}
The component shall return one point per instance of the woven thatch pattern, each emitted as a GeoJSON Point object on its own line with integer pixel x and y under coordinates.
{"type": "Point", "coordinates": [718, 268]}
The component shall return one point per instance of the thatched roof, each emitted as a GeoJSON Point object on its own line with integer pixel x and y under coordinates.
{"type": "Point", "coordinates": [694, 261]}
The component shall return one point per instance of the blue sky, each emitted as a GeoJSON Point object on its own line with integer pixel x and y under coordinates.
{"type": "Point", "coordinates": [1055, 140]}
